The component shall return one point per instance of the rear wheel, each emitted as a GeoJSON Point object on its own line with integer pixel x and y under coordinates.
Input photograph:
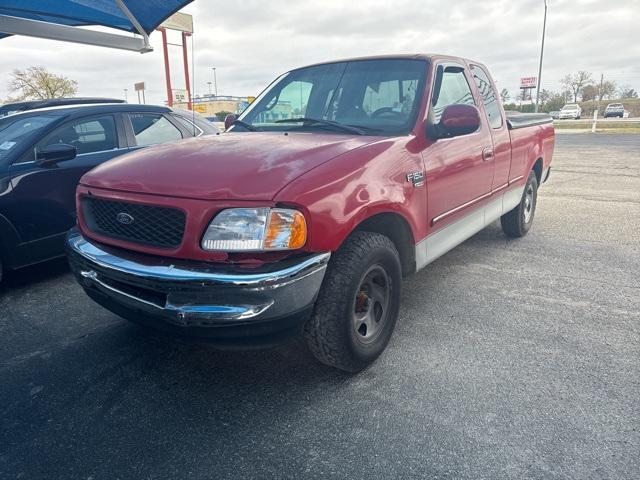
{"type": "Point", "coordinates": [517, 222]}
{"type": "Point", "coordinates": [358, 305]}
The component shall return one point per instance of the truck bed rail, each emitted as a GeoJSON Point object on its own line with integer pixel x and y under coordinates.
{"type": "Point", "coordinates": [522, 120]}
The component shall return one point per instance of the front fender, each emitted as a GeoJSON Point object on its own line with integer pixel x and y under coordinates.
{"type": "Point", "coordinates": [342, 193]}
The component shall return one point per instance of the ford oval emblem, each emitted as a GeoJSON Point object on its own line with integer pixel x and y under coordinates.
{"type": "Point", "coordinates": [124, 218]}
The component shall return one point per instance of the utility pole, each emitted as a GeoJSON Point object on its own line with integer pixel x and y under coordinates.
{"type": "Point", "coordinates": [215, 81]}
{"type": "Point", "coordinates": [600, 89]}
{"type": "Point", "coordinates": [126, 99]}
{"type": "Point", "coordinates": [544, 28]}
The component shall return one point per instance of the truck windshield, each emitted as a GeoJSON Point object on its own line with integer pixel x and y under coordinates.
{"type": "Point", "coordinates": [377, 97]}
{"type": "Point", "coordinates": [14, 132]}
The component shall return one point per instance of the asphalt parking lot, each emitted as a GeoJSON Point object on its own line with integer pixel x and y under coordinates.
{"type": "Point", "coordinates": [511, 359]}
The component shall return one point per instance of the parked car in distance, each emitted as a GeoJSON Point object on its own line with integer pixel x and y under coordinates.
{"type": "Point", "coordinates": [572, 110]}
{"type": "Point", "coordinates": [43, 154]}
{"type": "Point", "coordinates": [305, 220]}
{"type": "Point", "coordinates": [555, 114]}
{"type": "Point", "coordinates": [17, 107]}
{"type": "Point", "coordinates": [614, 110]}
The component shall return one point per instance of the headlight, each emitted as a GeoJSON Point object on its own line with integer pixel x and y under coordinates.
{"type": "Point", "coordinates": [255, 229]}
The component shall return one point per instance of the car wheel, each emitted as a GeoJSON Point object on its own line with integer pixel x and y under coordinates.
{"type": "Point", "coordinates": [358, 304]}
{"type": "Point", "coordinates": [517, 222]}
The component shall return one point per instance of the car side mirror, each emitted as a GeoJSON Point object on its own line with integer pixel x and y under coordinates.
{"type": "Point", "coordinates": [229, 119]}
{"type": "Point", "coordinates": [54, 153]}
{"type": "Point", "coordinates": [458, 120]}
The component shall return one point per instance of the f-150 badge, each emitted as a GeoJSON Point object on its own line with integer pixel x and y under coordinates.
{"type": "Point", "coordinates": [417, 178]}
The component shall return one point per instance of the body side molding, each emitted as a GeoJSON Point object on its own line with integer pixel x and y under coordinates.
{"type": "Point", "coordinates": [440, 242]}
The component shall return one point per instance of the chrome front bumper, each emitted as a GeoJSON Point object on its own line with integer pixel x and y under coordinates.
{"type": "Point", "coordinates": [194, 296]}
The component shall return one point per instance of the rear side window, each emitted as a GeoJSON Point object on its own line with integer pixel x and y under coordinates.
{"type": "Point", "coordinates": [153, 128]}
{"type": "Point", "coordinates": [488, 95]}
{"type": "Point", "coordinates": [454, 90]}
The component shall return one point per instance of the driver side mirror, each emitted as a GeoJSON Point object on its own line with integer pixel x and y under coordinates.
{"type": "Point", "coordinates": [54, 153]}
{"type": "Point", "coordinates": [229, 119]}
{"type": "Point", "coordinates": [456, 120]}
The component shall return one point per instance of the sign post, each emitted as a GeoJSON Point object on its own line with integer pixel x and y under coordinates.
{"type": "Point", "coordinates": [183, 23]}
{"type": "Point", "coordinates": [527, 84]}
{"type": "Point", "coordinates": [140, 87]}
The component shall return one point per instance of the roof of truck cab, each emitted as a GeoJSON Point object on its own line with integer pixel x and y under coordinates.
{"type": "Point", "coordinates": [400, 56]}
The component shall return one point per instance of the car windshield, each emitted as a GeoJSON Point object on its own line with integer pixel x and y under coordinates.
{"type": "Point", "coordinates": [570, 107]}
{"type": "Point", "coordinates": [614, 105]}
{"type": "Point", "coordinates": [377, 97]}
{"type": "Point", "coordinates": [13, 133]}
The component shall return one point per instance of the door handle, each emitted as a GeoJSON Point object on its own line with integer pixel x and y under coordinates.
{"type": "Point", "coordinates": [487, 154]}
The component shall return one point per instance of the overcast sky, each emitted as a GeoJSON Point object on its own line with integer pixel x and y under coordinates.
{"type": "Point", "coordinates": [251, 41]}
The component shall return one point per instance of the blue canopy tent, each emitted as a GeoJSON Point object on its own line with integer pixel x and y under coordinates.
{"type": "Point", "coordinates": [57, 19]}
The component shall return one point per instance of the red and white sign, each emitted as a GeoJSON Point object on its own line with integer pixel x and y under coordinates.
{"type": "Point", "coordinates": [528, 82]}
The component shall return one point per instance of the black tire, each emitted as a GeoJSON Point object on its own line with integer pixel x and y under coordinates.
{"type": "Point", "coordinates": [517, 222]}
{"type": "Point", "coordinates": [365, 259]}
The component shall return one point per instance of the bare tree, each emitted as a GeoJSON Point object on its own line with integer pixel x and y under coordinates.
{"type": "Point", "coordinates": [627, 92]}
{"type": "Point", "coordinates": [574, 83]}
{"type": "Point", "coordinates": [606, 89]}
{"type": "Point", "coordinates": [36, 83]}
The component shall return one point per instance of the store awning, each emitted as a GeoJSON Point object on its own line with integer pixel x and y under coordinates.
{"type": "Point", "coordinates": [59, 19]}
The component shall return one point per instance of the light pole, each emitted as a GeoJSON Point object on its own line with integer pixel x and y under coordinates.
{"type": "Point", "coordinates": [544, 28]}
{"type": "Point", "coordinates": [215, 81]}
{"type": "Point", "coordinates": [126, 99]}
{"type": "Point", "coordinates": [209, 83]}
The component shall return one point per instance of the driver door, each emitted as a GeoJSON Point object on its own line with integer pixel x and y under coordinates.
{"type": "Point", "coordinates": [459, 170]}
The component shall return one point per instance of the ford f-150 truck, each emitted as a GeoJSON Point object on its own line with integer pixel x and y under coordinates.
{"type": "Point", "coordinates": [339, 180]}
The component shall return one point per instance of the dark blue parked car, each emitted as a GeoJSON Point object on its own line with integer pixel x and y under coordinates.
{"type": "Point", "coordinates": [43, 154]}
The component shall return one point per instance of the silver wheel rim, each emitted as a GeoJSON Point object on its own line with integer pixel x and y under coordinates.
{"type": "Point", "coordinates": [528, 203]}
{"type": "Point", "coordinates": [371, 304]}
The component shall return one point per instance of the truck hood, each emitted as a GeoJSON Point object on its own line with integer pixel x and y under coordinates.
{"type": "Point", "coordinates": [230, 166]}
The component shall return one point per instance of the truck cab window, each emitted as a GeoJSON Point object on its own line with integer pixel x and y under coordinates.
{"type": "Point", "coordinates": [488, 95]}
{"type": "Point", "coordinates": [454, 89]}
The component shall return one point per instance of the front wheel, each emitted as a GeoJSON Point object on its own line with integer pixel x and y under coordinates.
{"type": "Point", "coordinates": [358, 304]}
{"type": "Point", "coordinates": [517, 222]}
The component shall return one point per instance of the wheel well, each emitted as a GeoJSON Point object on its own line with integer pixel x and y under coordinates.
{"type": "Point", "coordinates": [537, 168]}
{"type": "Point", "coordinates": [397, 229]}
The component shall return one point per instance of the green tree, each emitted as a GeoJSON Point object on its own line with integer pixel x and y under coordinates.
{"type": "Point", "coordinates": [222, 114]}
{"type": "Point", "coordinates": [589, 92]}
{"type": "Point", "coordinates": [556, 102]}
{"type": "Point", "coordinates": [545, 95]}
{"type": "Point", "coordinates": [36, 83]}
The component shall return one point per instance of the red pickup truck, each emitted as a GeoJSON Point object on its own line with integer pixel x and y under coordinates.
{"type": "Point", "coordinates": [339, 180]}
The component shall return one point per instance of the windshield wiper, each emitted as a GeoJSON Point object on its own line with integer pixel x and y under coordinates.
{"type": "Point", "coordinates": [319, 121]}
{"type": "Point", "coordinates": [246, 125]}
